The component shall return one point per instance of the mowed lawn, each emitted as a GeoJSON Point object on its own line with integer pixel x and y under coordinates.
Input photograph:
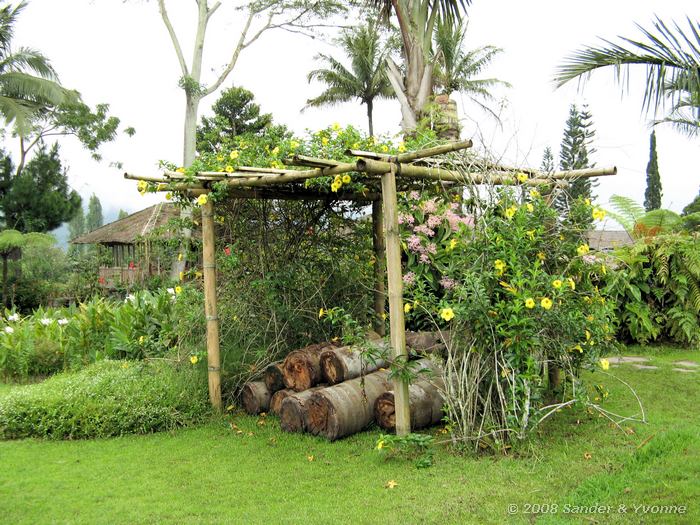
{"type": "Point", "coordinates": [213, 474]}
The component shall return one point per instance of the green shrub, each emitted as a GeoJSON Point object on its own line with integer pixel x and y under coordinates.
{"type": "Point", "coordinates": [109, 398]}
{"type": "Point", "coordinates": [657, 289]}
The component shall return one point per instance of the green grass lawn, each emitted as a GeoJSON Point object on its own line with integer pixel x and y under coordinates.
{"type": "Point", "coordinates": [213, 474]}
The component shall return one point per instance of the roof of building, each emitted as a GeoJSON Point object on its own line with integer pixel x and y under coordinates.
{"type": "Point", "coordinates": [608, 239]}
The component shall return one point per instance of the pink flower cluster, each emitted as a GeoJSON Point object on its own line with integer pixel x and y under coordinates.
{"type": "Point", "coordinates": [448, 283]}
{"type": "Point", "coordinates": [424, 229]}
{"type": "Point", "coordinates": [406, 218]}
{"type": "Point", "coordinates": [409, 278]}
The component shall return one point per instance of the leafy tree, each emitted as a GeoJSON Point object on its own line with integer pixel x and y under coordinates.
{"type": "Point", "coordinates": [575, 154]}
{"type": "Point", "coordinates": [94, 219]}
{"type": "Point", "coordinates": [691, 213]}
{"type": "Point", "coordinates": [652, 195]}
{"type": "Point", "coordinates": [11, 242]}
{"type": "Point", "coordinates": [123, 214]}
{"type": "Point", "coordinates": [39, 199]}
{"type": "Point", "coordinates": [28, 82]}
{"type": "Point", "coordinates": [235, 113]}
{"type": "Point", "coordinates": [456, 68]}
{"type": "Point", "coordinates": [670, 56]}
{"type": "Point", "coordinates": [366, 78]}
{"type": "Point", "coordinates": [76, 227]}
{"type": "Point", "coordinates": [413, 83]}
{"type": "Point", "coordinates": [547, 165]}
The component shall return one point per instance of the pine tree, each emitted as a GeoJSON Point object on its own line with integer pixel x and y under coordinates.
{"type": "Point", "coordinates": [547, 165]}
{"type": "Point", "coordinates": [575, 154]}
{"type": "Point", "coordinates": [94, 219]}
{"type": "Point", "coordinates": [76, 227]}
{"type": "Point", "coordinates": [652, 195]}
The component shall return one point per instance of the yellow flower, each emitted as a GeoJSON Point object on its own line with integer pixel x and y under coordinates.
{"type": "Point", "coordinates": [234, 155]}
{"type": "Point", "coordinates": [346, 179]}
{"type": "Point", "coordinates": [324, 141]}
{"type": "Point", "coordinates": [604, 364]}
{"type": "Point", "coordinates": [294, 144]}
{"type": "Point", "coordinates": [179, 256]}
{"type": "Point", "coordinates": [335, 126]}
{"type": "Point", "coordinates": [168, 196]}
{"type": "Point", "coordinates": [598, 214]}
{"type": "Point", "coordinates": [589, 318]}
{"type": "Point", "coordinates": [182, 276]}
{"type": "Point", "coordinates": [571, 283]}
{"type": "Point", "coordinates": [529, 303]}
{"type": "Point", "coordinates": [510, 212]}
{"type": "Point", "coordinates": [603, 269]}
{"type": "Point", "coordinates": [194, 359]}
{"type": "Point", "coordinates": [588, 202]}
{"type": "Point", "coordinates": [447, 314]}
{"type": "Point", "coordinates": [402, 147]}
{"type": "Point", "coordinates": [583, 249]}
{"type": "Point", "coordinates": [541, 256]}
{"type": "Point", "coordinates": [335, 187]}
{"type": "Point", "coordinates": [530, 207]}
{"type": "Point", "coordinates": [180, 170]}
{"type": "Point", "coordinates": [546, 303]}
{"type": "Point", "coordinates": [453, 244]}
{"type": "Point", "coordinates": [380, 444]}
{"type": "Point", "coordinates": [500, 266]}
{"type": "Point", "coordinates": [178, 290]}
{"type": "Point", "coordinates": [391, 484]}
{"type": "Point", "coordinates": [557, 283]}
{"type": "Point", "coordinates": [142, 185]}
{"type": "Point", "coordinates": [407, 308]}
{"type": "Point", "coordinates": [321, 313]}
{"type": "Point", "coordinates": [220, 158]}
{"type": "Point", "coordinates": [385, 148]}
{"type": "Point", "coordinates": [229, 169]}
{"type": "Point", "coordinates": [521, 177]}
{"type": "Point", "coordinates": [202, 199]}
{"type": "Point", "coordinates": [142, 339]}
{"type": "Point", "coordinates": [588, 335]}
{"type": "Point", "coordinates": [197, 275]}
{"type": "Point", "coordinates": [531, 233]}
{"type": "Point", "coordinates": [356, 145]}
{"type": "Point", "coordinates": [534, 194]}
{"type": "Point", "coordinates": [578, 348]}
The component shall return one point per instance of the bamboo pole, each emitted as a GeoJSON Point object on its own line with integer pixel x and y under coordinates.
{"type": "Point", "coordinates": [210, 310]}
{"type": "Point", "coordinates": [413, 155]}
{"type": "Point", "coordinates": [379, 246]}
{"type": "Point", "coordinates": [397, 329]}
{"type": "Point", "coordinates": [313, 162]}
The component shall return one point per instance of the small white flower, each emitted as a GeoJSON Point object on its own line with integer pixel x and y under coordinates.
{"type": "Point", "coordinates": [13, 317]}
{"type": "Point", "coordinates": [46, 321]}
{"type": "Point", "coordinates": [9, 329]}
{"type": "Point", "coordinates": [131, 297]}
{"type": "Point", "coordinates": [171, 291]}
{"type": "Point", "coordinates": [63, 322]}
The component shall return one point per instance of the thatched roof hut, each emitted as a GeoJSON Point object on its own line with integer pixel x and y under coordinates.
{"type": "Point", "coordinates": [608, 240]}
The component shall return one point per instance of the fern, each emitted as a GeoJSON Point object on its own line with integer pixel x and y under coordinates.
{"type": "Point", "coordinates": [626, 212]}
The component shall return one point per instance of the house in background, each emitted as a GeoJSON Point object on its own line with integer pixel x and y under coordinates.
{"type": "Point", "coordinates": [608, 240]}
{"type": "Point", "coordinates": [135, 244]}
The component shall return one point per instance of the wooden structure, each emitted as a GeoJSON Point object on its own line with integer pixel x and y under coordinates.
{"type": "Point", "coordinates": [384, 176]}
{"type": "Point", "coordinates": [130, 242]}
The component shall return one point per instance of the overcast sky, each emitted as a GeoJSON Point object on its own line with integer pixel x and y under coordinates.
{"type": "Point", "coordinates": [120, 53]}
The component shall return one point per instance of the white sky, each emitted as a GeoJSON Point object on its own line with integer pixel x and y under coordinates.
{"type": "Point", "coordinates": [120, 53]}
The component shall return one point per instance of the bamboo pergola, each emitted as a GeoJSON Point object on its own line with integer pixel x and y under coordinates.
{"type": "Point", "coordinates": [386, 176]}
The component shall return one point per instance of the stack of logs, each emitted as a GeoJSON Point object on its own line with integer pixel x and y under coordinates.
{"type": "Point", "coordinates": [334, 391]}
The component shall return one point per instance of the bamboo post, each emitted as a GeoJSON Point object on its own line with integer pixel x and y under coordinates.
{"type": "Point", "coordinates": [397, 329]}
{"type": "Point", "coordinates": [209, 267]}
{"type": "Point", "coordinates": [379, 245]}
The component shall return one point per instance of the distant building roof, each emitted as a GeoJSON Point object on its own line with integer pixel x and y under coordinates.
{"type": "Point", "coordinates": [130, 228]}
{"type": "Point", "coordinates": [605, 240]}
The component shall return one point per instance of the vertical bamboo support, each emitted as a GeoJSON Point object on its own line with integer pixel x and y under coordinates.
{"type": "Point", "coordinates": [397, 328]}
{"type": "Point", "coordinates": [379, 245]}
{"type": "Point", "coordinates": [209, 267]}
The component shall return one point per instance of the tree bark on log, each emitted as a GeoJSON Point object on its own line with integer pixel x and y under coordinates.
{"type": "Point", "coordinates": [427, 342]}
{"type": "Point", "coordinates": [277, 398]}
{"type": "Point", "coordinates": [273, 377]}
{"type": "Point", "coordinates": [256, 397]}
{"type": "Point", "coordinates": [302, 368]}
{"type": "Point", "coordinates": [424, 399]}
{"type": "Point", "coordinates": [347, 362]}
{"type": "Point", "coordinates": [293, 410]}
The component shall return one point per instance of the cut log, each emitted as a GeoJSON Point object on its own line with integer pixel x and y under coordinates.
{"type": "Point", "coordinates": [346, 408]}
{"type": "Point", "coordinates": [427, 342]}
{"type": "Point", "coordinates": [293, 410]}
{"type": "Point", "coordinates": [347, 362]}
{"type": "Point", "coordinates": [277, 398]}
{"type": "Point", "coordinates": [256, 397]}
{"type": "Point", "coordinates": [302, 368]}
{"type": "Point", "coordinates": [273, 377]}
{"type": "Point", "coordinates": [424, 399]}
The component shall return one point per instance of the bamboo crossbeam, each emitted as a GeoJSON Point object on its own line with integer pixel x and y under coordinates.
{"type": "Point", "coordinates": [145, 178]}
{"type": "Point", "coordinates": [584, 173]}
{"type": "Point", "coordinates": [413, 155]}
{"type": "Point", "coordinates": [311, 162]}
{"type": "Point", "coordinates": [296, 176]}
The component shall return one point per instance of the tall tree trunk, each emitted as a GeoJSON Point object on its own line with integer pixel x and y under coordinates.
{"type": "Point", "coordinates": [369, 117]}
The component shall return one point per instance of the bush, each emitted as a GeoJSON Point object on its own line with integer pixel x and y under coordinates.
{"type": "Point", "coordinates": [109, 398]}
{"type": "Point", "coordinates": [657, 289]}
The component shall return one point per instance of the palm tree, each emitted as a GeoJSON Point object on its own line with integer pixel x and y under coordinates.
{"type": "Point", "coordinates": [456, 68]}
{"type": "Point", "coordinates": [28, 82]}
{"type": "Point", "coordinates": [417, 19]}
{"type": "Point", "coordinates": [672, 60]}
{"type": "Point", "coordinates": [366, 79]}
